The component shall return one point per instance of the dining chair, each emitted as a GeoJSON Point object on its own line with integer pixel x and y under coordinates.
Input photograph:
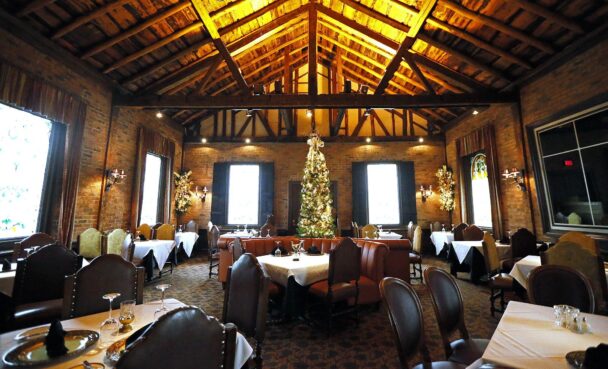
{"type": "Point", "coordinates": [583, 240]}
{"type": "Point", "coordinates": [35, 240]}
{"type": "Point", "coordinates": [356, 230]}
{"type": "Point", "coordinates": [449, 310]}
{"type": "Point", "coordinates": [112, 242]}
{"type": "Point", "coordinates": [436, 226]}
{"type": "Point", "coordinates": [213, 250]}
{"type": "Point", "coordinates": [269, 228]}
{"type": "Point", "coordinates": [497, 281]}
{"type": "Point", "coordinates": [166, 232]}
{"type": "Point", "coordinates": [89, 243]}
{"type": "Point", "coordinates": [145, 230]}
{"type": "Point", "coordinates": [246, 301]}
{"type": "Point", "coordinates": [198, 341]}
{"type": "Point", "coordinates": [83, 291]}
{"type": "Point", "coordinates": [458, 231]}
{"type": "Point", "coordinates": [192, 226]}
{"type": "Point", "coordinates": [369, 231]}
{"type": "Point", "coordinates": [580, 258]}
{"type": "Point", "coordinates": [523, 243]}
{"type": "Point", "coordinates": [236, 249]}
{"type": "Point", "coordinates": [472, 233]}
{"type": "Point", "coordinates": [410, 230]}
{"type": "Point", "coordinates": [550, 285]}
{"type": "Point", "coordinates": [342, 283]}
{"type": "Point", "coordinates": [38, 286]}
{"type": "Point", "coordinates": [416, 255]}
{"type": "Point", "coordinates": [405, 316]}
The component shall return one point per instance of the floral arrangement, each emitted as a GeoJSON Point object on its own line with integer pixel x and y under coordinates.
{"type": "Point", "coordinates": [446, 186]}
{"type": "Point", "coordinates": [183, 199]}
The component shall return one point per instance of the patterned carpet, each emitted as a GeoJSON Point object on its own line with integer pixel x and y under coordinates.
{"type": "Point", "coordinates": [297, 345]}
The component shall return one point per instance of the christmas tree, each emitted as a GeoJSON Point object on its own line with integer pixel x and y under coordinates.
{"type": "Point", "coordinates": [316, 218]}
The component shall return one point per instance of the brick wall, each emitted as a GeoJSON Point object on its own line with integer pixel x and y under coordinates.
{"type": "Point", "coordinates": [289, 160]}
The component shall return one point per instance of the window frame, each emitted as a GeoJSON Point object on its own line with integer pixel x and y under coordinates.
{"type": "Point", "coordinates": [399, 195]}
{"type": "Point", "coordinates": [162, 186]}
{"type": "Point", "coordinates": [468, 186]}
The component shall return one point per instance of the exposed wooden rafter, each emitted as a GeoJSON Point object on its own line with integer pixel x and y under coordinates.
{"type": "Point", "coordinates": [33, 6]}
{"type": "Point", "coordinates": [88, 18]}
{"type": "Point", "coordinates": [312, 50]}
{"type": "Point", "coordinates": [549, 15]}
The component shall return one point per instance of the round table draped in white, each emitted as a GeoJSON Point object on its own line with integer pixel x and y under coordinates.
{"type": "Point", "coordinates": [308, 270]}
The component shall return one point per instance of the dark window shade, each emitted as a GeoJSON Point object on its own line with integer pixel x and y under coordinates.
{"type": "Point", "coordinates": [360, 192]}
{"type": "Point", "coordinates": [50, 201]}
{"type": "Point", "coordinates": [266, 191]}
{"type": "Point", "coordinates": [407, 191]}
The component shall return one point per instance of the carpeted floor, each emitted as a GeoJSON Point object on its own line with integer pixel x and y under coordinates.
{"type": "Point", "coordinates": [297, 345]}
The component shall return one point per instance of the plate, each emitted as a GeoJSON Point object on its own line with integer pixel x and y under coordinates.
{"type": "Point", "coordinates": [115, 350]}
{"type": "Point", "coordinates": [33, 352]}
{"type": "Point", "coordinates": [576, 358]}
{"type": "Point", "coordinates": [33, 333]}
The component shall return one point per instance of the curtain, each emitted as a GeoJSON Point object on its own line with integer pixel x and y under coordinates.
{"type": "Point", "coordinates": [407, 191]}
{"type": "Point", "coordinates": [481, 139]}
{"type": "Point", "coordinates": [20, 89]}
{"type": "Point", "coordinates": [51, 189]}
{"type": "Point", "coordinates": [266, 191]}
{"type": "Point", "coordinates": [359, 188]}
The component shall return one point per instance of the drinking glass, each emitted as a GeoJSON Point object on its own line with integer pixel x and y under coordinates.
{"type": "Point", "coordinates": [109, 326]}
{"type": "Point", "coordinates": [127, 315]}
{"type": "Point", "coordinates": [163, 309]}
{"type": "Point", "coordinates": [562, 314]}
{"type": "Point", "coordinates": [442, 227]}
{"type": "Point", "coordinates": [380, 228]}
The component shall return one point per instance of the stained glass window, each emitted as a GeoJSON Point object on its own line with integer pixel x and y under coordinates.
{"type": "Point", "coordinates": [24, 146]}
{"type": "Point", "coordinates": [480, 191]}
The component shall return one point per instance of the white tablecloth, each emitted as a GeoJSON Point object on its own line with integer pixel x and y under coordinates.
{"type": "Point", "coordinates": [389, 236]}
{"type": "Point", "coordinates": [144, 314]}
{"type": "Point", "coordinates": [236, 234]}
{"type": "Point", "coordinates": [439, 239]}
{"type": "Point", "coordinates": [187, 239]}
{"type": "Point", "coordinates": [527, 337]}
{"type": "Point", "coordinates": [462, 248]}
{"type": "Point", "coordinates": [160, 248]}
{"type": "Point", "coordinates": [306, 271]}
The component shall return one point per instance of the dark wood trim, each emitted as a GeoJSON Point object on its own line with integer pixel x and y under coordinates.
{"type": "Point", "coordinates": [438, 139]}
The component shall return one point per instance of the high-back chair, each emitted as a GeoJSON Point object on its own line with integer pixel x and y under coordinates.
{"type": "Point", "coordinates": [38, 286]}
{"type": "Point", "coordinates": [35, 240]}
{"type": "Point", "coordinates": [416, 254]}
{"type": "Point", "coordinates": [145, 230]}
{"type": "Point", "coordinates": [192, 226]}
{"type": "Point", "coordinates": [588, 243]}
{"type": "Point", "coordinates": [410, 230]}
{"type": "Point", "coordinates": [523, 243]}
{"type": "Point", "coordinates": [356, 230]}
{"type": "Point", "coordinates": [497, 281]}
{"type": "Point", "coordinates": [84, 290]}
{"type": "Point", "coordinates": [578, 257]}
{"type": "Point", "coordinates": [201, 342]}
{"type": "Point", "coordinates": [550, 285]}
{"type": "Point", "coordinates": [214, 252]}
{"type": "Point", "coordinates": [236, 249]}
{"type": "Point", "coordinates": [113, 242]}
{"type": "Point", "coordinates": [449, 310]}
{"type": "Point", "coordinates": [472, 233]}
{"type": "Point", "coordinates": [89, 243]}
{"type": "Point", "coordinates": [458, 231]}
{"type": "Point", "coordinates": [246, 301]}
{"type": "Point", "coordinates": [369, 231]}
{"type": "Point", "coordinates": [436, 226]}
{"type": "Point", "coordinates": [165, 232]}
{"type": "Point", "coordinates": [405, 316]}
{"type": "Point", "coordinates": [127, 249]}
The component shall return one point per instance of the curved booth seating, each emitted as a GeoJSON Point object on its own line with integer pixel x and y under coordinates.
{"type": "Point", "coordinates": [89, 243]}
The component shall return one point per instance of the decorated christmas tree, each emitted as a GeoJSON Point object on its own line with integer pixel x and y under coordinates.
{"type": "Point", "coordinates": [316, 218]}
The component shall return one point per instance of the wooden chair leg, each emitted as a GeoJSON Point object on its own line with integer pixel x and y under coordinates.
{"type": "Point", "coordinates": [492, 298]}
{"type": "Point", "coordinates": [259, 360]}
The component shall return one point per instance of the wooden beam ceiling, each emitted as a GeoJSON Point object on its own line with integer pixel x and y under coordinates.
{"type": "Point", "coordinates": [312, 50]}
{"type": "Point", "coordinates": [33, 6]}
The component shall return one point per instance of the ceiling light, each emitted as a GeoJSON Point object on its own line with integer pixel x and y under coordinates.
{"type": "Point", "coordinates": [475, 112]}
{"type": "Point", "coordinates": [368, 140]}
{"type": "Point", "coordinates": [249, 112]}
{"type": "Point", "coordinates": [248, 140]}
{"type": "Point", "coordinates": [203, 140]}
{"type": "Point", "coordinates": [367, 112]}
{"type": "Point", "coordinates": [421, 139]}
{"type": "Point", "coordinates": [309, 113]}
{"type": "Point", "coordinates": [159, 114]}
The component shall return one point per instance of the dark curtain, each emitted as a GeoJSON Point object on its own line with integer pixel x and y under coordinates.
{"type": "Point", "coordinates": [359, 188]}
{"type": "Point", "coordinates": [19, 89]}
{"type": "Point", "coordinates": [481, 140]}
{"type": "Point", "coordinates": [53, 178]}
{"type": "Point", "coordinates": [219, 193]}
{"type": "Point", "coordinates": [407, 191]}
{"type": "Point", "coordinates": [266, 191]}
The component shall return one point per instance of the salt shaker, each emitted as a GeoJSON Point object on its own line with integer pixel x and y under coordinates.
{"type": "Point", "coordinates": [585, 328]}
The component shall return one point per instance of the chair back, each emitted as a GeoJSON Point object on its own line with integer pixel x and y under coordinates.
{"type": "Point", "coordinates": [89, 243]}
{"type": "Point", "coordinates": [588, 243]}
{"type": "Point", "coordinates": [369, 231]}
{"type": "Point", "coordinates": [165, 232]}
{"type": "Point", "coordinates": [579, 258]}
{"type": "Point", "coordinates": [36, 239]}
{"type": "Point", "coordinates": [447, 303]}
{"type": "Point", "coordinates": [458, 231]}
{"type": "Point", "coordinates": [435, 226]}
{"type": "Point", "coordinates": [550, 285]}
{"type": "Point", "coordinates": [490, 253]}
{"type": "Point", "coordinates": [523, 243]}
{"type": "Point", "coordinates": [246, 297]}
{"type": "Point", "coordinates": [417, 241]}
{"type": "Point", "coordinates": [84, 290]}
{"type": "Point", "coordinates": [200, 342]}
{"type": "Point", "coordinates": [128, 248]}
{"type": "Point", "coordinates": [145, 230]}
{"type": "Point", "coordinates": [214, 236]}
{"type": "Point", "coordinates": [405, 315]}
{"type": "Point", "coordinates": [356, 230]}
{"type": "Point", "coordinates": [40, 276]}
{"type": "Point", "coordinates": [114, 242]}
{"type": "Point", "coordinates": [236, 246]}
{"type": "Point", "coordinates": [410, 230]}
{"type": "Point", "coordinates": [192, 226]}
{"type": "Point", "coordinates": [344, 262]}
{"type": "Point", "coordinates": [472, 233]}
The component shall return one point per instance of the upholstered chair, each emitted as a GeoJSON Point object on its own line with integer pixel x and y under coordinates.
{"type": "Point", "coordinates": [405, 316]}
{"type": "Point", "coordinates": [113, 242]}
{"type": "Point", "coordinates": [200, 341]}
{"type": "Point", "coordinates": [449, 310]}
{"type": "Point", "coordinates": [410, 230]}
{"type": "Point", "coordinates": [192, 226]}
{"type": "Point", "coordinates": [38, 287]}
{"type": "Point", "coordinates": [145, 230]}
{"type": "Point", "coordinates": [523, 243]}
{"type": "Point", "coordinates": [165, 232]}
{"type": "Point", "coordinates": [37, 239]}
{"type": "Point", "coordinates": [551, 285]}
{"type": "Point", "coordinates": [89, 243]}
{"type": "Point", "coordinates": [578, 257]}
{"type": "Point", "coordinates": [416, 254]}
{"type": "Point", "coordinates": [436, 227]}
{"type": "Point", "coordinates": [588, 243]}
{"type": "Point", "coordinates": [214, 252]}
{"type": "Point", "coordinates": [458, 231]}
{"type": "Point", "coordinates": [236, 249]}
{"type": "Point", "coordinates": [497, 281]}
{"type": "Point", "coordinates": [472, 233]}
{"type": "Point", "coordinates": [356, 230]}
{"type": "Point", "coordinates": [369, 231]}
{"type": "Point", "coordinates": [246, 301]}
{"type": "Point", "coordinates": [84, 290]}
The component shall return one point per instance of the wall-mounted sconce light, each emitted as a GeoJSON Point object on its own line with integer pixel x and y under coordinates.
{"type": "Point", "coordinates": [517, 176]}
{"type": "Point", "coordinates": [425, 193]}
{"type": "Point", "coordinates": [113, 177]}
{"type": "Point", "coordinates": [202, 194]}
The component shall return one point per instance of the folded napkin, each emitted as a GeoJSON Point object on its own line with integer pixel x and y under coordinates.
{"type": "Point", "coordinates": [6, 265]}
{"type": "Point", "coordinates": [596, 357]}
{"type": "Point", "coordinates": [135, 335]}
{"type": "Point", "coordinates": [55, 340]}
{"type": "Point", "coordinates": [313, 250]}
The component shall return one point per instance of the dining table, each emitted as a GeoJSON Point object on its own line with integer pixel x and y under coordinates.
{"type": "Point", "coordinates": [160, 249]}
{"type": "Point", "coordinates": [468, 256]}
{"type": "Point", "coordinates": [441, 240]}
{"type": "Point", "coordinates": [186, 240]}
{"type": "Point", "coordinates": [239, 234]}
{"type": "Point", "coordinates": [527, 337]}
{"type": "Point", "coordinates": [144, 314]}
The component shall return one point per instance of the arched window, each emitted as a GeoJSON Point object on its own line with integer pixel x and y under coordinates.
{"type": "Point", "coordinates": [480, 191]}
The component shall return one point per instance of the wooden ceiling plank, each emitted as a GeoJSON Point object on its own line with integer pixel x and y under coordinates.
{"type": "Point", "coordinates": [414, 67]}
{"type": "Point", "coordinates": [312, 50]}
{"type": "Point", "coordinates": [178, 76]}
{"type": "Point", "coordinates": [265, 123]}
{"type": "Point", "coordinates": [374, 14]}
{"type": "Point", "coordinates": [32, 6]}
{"type": "Point", "coordinates": [549, 15]}
{"type": "Point", "coordinates": [458, 79]}
{"type": "Point", "coordinates": [84, 19]}
{"type": "Point", "coordinates": [251, 17]}
{"type": "Point", "coordinates": [212, 69]}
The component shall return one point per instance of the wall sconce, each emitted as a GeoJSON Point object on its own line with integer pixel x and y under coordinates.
{"type": "Point", "coordinates": [425, 193]}
{"type": "Point", "coordinates": [201, 195]}
{"type": "Point", "coordinates": [113, 177]}
{"type": "Point", "coordinates": [517, 175]}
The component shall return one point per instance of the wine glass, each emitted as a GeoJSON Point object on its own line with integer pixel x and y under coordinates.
{"type": "Point", "coordinates": [127, 315]}
{"type": "Point", "coordinates": [109, 326]}
{"type": "Point", "coordinates": [295, 246]}
{"type": "Point", "coordinates": [442, 227]}
{"type": "Point", "coordinates": [163, 309]}
{"type": "Point", "coordinates": [379, 228]}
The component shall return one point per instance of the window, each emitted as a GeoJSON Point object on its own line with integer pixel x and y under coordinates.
{"type": "Point", "coordinates": [243, 194]}
{"type": "Point", "coordinates": [480, 203]}
{"type": "Point", "coordinates": [572, 155]}
{"type": "Point", "coordinates": [24, 148]}
{"type": "Point", "coordinates": [152, 204]}
{"type": "Point", "coordinates": [383, 194]}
